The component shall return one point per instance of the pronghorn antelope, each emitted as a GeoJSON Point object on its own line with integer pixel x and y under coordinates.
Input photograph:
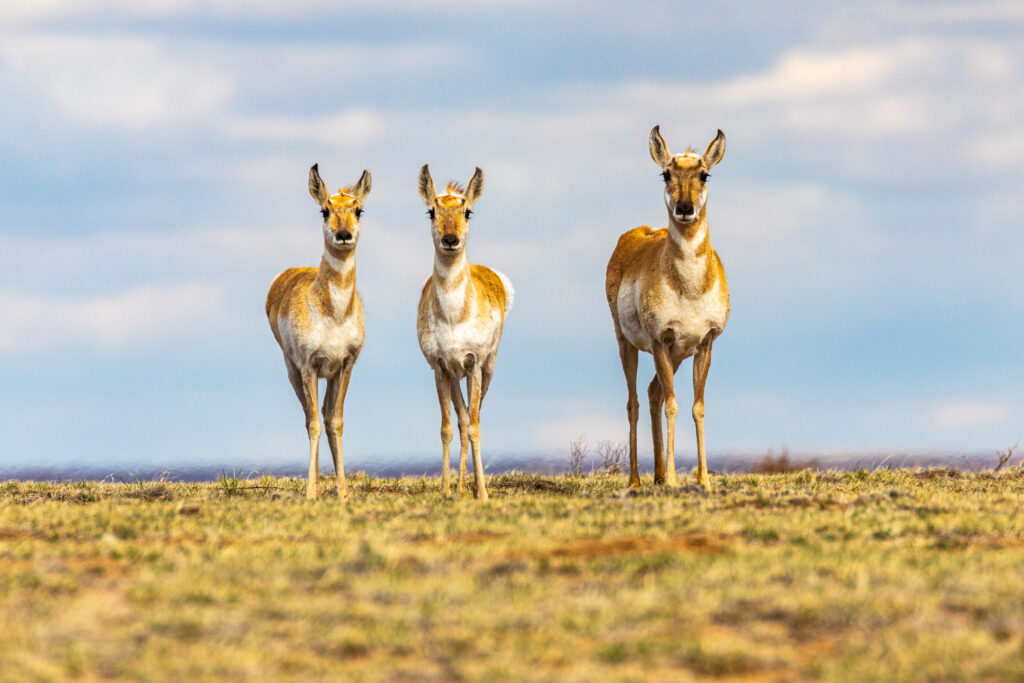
{"type": "Point", "coordinates": [668, 296]}
{"type": "Point", "coordinates": [461, 314]}
{"type": "Point", "coordinates": [317, 319]}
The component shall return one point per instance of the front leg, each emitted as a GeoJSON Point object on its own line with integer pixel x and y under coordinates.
{"type": "Point", "coordinates": [444, 397]}
{"type": "Point", "coordinates": [311, 394]}
{"type": "Point", "coordinates": [665, 369]}
{"type": "Point", "coordinates": [463, 414]}
{"type": "Point", "coordinates": [628, 355]}
{"type": "Point", "coordinates": [701, 365]}
{"type": "Point", "coordinates": [334, 419]}
{"type": "Point", "coordinates": [475, 398]}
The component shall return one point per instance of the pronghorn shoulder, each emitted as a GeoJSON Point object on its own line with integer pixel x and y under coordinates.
{"type": "Point", "coordinates": [633, 247]}
{"type": "Point", "coordinates": [634, 244]}
{"type": "Point", "coordinates": [284, 284]}
{"type": "Point", "coordinates": [493, 286]}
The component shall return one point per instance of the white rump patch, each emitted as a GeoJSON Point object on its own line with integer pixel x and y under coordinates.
{"type": "Point", "coordinates": [510, 292]}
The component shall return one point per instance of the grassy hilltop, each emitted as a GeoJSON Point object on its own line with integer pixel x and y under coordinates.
{"type": "Point", "coordinates": [888, 575]}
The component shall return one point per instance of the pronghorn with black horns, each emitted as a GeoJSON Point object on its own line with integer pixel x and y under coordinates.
{"type": "Point", "coordinates": [317, 319]}
{"type": "Point", "coordinates": [461, 315]}
{"type": "Point", "coordinates": [668, 296]}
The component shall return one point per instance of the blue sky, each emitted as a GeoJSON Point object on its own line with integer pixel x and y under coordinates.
{"type": "Point", "coordinates": [869, 212]}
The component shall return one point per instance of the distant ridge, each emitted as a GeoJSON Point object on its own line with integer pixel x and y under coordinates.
{"type": "Point", "coordinates": [540, 463]}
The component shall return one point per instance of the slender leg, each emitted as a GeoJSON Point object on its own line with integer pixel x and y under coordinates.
{"type": "Point", "coordinates": [655, 398]}
{"type": "Point", "coordinates": [301, 388]}
{"type": "Point", "coordinates": [628, 356]}
{"type": "Point", "coordinates": [444, 397]}
{"type": "Point", "coordinates": [664, 367]}
{"type": "Point", "coordinates": [475, 398]}
{"type": "Point", "coordinates": [463, 415]}
{"type": "Point", "coordinates": [334, 419]}
{"type": "Point", "coordinates": [312, 394]}
{"type": "Point", "coordinates": [701, 365]}
{"type": "Point", "coordinates": [488, 373]}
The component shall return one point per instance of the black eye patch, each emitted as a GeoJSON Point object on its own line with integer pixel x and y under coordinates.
{"type": "Point", "coordinates": [469, 212]}
{"type": "Point", "coordinates": [704, 175]}
{"type": "Point", "coordinates": [430, 212]}
{"type": "Point", "coordinates": [665, 176]}
{"type": "Point", "coordinates": [359, 212]}
{"type": "Point", "coordinates": [325, 213]}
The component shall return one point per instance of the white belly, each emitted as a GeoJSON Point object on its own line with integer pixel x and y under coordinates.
{"type": "Point", "coordinates": [686, 321]}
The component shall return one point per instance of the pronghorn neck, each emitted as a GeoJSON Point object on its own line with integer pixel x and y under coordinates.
{"type": "Point", "coordinates": [453, 286]}
{"type": "Point", "coordinates": [685, 258]}
{"type": "Point", "coordinates": [451, 272]}
{"type": "Point", "coordinates": [336, 281]}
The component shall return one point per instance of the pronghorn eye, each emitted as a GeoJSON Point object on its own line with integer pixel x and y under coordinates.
{"type": "Point", "coordinates": [469, 212]}
{"type": "Point", "coordinates": [665, 176]}
{"type": "Point", "coordinates": [430, 212]}
{"type": "Point", "coordinates": [704, 175]}
{"type": "Point", "coordinates": [325, 212]}
{"type": "Point", "coordinates": [359, 212]}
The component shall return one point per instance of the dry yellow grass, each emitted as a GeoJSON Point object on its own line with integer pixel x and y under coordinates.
{"type": "Point", "coordinates": [838, 576]}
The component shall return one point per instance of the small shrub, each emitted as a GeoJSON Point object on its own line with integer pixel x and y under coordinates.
{"type": "Point", "coordinates": [782, 464]}
{"type": "Point", "coordinates": [1005, 457]}
{"type": "Point", "coordinates": [612, 457]}
{"type": "Point", "coordinates": [578, 453]}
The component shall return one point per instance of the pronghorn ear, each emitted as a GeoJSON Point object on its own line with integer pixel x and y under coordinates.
{"type": "Point", "coordinates": [426, 186]}
{"type": "Point", "coordinates": [362, 188]}
{"type": "Point", "coordinates": [659, 150]}
{"type": "Point", "coordinates": [317, 189]}
{"type": "Point", "coordinates": [475, 187]}
{"type": "Point", "coordinates": [715, 151]}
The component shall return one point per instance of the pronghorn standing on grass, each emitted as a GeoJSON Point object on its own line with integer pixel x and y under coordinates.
{"type": "Point", "coordinates": [317, 318]}
{"type": "Point", "coordinates": [668, 296]}
{"type": "Point", "coordinates": [461, 314]}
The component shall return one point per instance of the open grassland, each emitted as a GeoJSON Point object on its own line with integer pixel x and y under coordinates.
{"type": "Point", "coordinates": [888, 575]}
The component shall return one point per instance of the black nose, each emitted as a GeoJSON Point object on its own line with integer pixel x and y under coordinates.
{"type": "Point", "coordinates": [450, 240]}
{"type": "Point", "coordinates": [343, 236]}
{"type": "Point", "coordinates": [684, 208]}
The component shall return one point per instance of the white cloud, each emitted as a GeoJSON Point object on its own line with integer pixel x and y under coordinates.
{"type": "Point", "coordinates": [957, 414]}
{"type": "Point", "coordinates": [858, 108]}
{"type": "Point", "coordinates": [351, 128]}
{"type": "Point", "coordinates": [115, 81]}
{"type": "Point", "coordinates": [30, 11]}
{"type": "Point", "coordinates": [140, 316]}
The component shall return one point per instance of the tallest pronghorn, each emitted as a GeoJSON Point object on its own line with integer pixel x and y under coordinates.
{"type": "Point", "coordinates": [668, 296]}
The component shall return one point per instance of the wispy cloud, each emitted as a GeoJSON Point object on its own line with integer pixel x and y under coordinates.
{"type": "Point", "coordinates": [958, 414]}
{"type": "Point", "coordinates": [115, 81]}
{"type": "Point", "coordinates": [141, 318]}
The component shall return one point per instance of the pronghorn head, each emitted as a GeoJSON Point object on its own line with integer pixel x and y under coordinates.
{"type": "Point", "coordinates": [686, 176]}
{"type": "Point", "coordinates": [341, 211]}
{"type": "Point", "coordinates": [449, 213]}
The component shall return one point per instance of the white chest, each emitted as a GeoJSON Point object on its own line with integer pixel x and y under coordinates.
{"type": "Point", "coordinates": [448, 336]}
